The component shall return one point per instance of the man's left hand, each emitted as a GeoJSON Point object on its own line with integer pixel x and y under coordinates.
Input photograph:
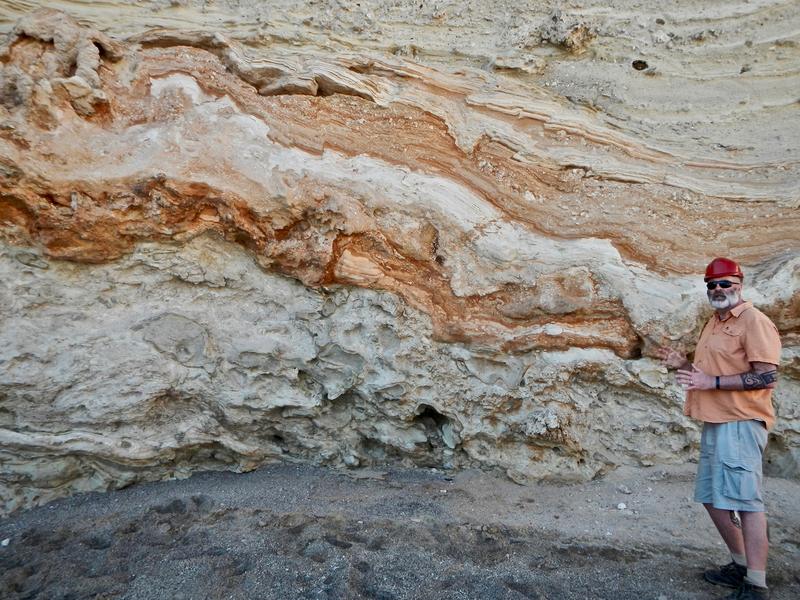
{"type": "Point", "coordinates": [696, 379]}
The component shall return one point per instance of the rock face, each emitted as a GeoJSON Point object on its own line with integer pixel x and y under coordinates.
{"type": "Point", "coordinates": [444, 237]}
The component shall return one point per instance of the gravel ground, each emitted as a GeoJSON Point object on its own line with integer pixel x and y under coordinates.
{"type": "Point", "coordinates": [288, 531]}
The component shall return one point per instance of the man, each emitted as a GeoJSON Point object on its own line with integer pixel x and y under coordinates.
{"type": "Point", "coordinates": [729, 387]}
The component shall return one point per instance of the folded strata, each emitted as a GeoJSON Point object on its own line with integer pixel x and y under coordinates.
{"type": "Point", "coordinates": [216, 254]}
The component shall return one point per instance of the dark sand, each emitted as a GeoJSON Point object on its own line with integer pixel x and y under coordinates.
{"type": "Point", "coordinates": [289, 531]}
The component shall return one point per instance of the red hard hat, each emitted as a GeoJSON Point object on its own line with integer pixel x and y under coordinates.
{"type": "Point", "coordinates": [723, 267]}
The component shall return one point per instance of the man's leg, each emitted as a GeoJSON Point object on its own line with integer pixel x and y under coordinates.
{"type": "Point", "coordinates": [754, 531]}
{"type": "Point", "coordinates": [733, 573]}
{"type": "Point", "coordinates": [731, 535]}
{"type": "Point", "coordinates": [705, 491]}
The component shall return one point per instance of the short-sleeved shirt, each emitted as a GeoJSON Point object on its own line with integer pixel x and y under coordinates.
{"type": "Point", "coordinates": [727, 348]}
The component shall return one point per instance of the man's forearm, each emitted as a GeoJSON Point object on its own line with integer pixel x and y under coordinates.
{"type": "Point", "coordinates": [751, 380]}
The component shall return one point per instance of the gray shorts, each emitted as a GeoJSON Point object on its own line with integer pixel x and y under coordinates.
{"type": "Point", "coordinates": [729, 472]}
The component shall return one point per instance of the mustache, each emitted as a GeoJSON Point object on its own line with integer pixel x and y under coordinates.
{"type": "Point", "coordinates": [720, 296]}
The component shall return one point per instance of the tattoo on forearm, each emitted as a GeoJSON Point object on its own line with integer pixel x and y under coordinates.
{"type": "Point", "coordinates": [758, 381]}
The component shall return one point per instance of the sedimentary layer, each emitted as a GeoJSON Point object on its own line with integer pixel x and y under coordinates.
{"type": "Point", "coordinates": [222, 245]}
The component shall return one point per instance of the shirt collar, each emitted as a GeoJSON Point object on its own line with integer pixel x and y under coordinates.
{"type": "Point", "coordinates": [741, 308]}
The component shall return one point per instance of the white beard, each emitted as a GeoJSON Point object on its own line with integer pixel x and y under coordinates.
{"type": "Point", "coordinates": [732, 298]}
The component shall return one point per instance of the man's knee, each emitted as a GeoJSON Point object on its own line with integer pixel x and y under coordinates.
{"type": "Point", "coordinates": [753, 516]}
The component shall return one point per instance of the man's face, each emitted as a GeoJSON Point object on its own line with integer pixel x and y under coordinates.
{"type": "Point", "coordinates": [726, 292]}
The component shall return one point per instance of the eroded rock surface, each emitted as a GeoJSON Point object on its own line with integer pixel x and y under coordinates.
{"type": "Point", "coordinates": [222, 245]}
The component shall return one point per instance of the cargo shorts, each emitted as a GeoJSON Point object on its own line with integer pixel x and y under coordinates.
{"type": "Point", "coordinates": [729, 471]}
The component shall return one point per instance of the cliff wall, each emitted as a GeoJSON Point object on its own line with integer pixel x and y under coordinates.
{"type": "Point", "coordinates": [445, 234]}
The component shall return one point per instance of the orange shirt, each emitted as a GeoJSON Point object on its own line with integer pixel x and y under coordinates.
{"type": "Point", "coordinates": [727, 348]}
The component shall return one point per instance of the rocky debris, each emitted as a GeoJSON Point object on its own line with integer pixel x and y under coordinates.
{"type": "Point", "coordinates": [295, 532]}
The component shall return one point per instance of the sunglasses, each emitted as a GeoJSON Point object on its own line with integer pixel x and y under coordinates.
{"type": "Point", "coordinates": [723, 284]}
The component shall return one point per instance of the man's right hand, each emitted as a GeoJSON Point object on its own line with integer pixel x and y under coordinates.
{"type": "Point", "coordinates": [671, 357]}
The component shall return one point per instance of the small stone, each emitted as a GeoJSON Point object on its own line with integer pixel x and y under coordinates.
{"type": "Point", "coordinates": [5, 542]}
{"type": "Point", "coordinates": [622, 506]}
{"type": "Point", "coordinates": [317, 551]}
{"type": "Point", "coordinates": [624, 489]}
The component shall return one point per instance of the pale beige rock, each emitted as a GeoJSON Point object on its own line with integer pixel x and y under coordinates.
{"type": "Point", "coordinates": [226, 242]}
